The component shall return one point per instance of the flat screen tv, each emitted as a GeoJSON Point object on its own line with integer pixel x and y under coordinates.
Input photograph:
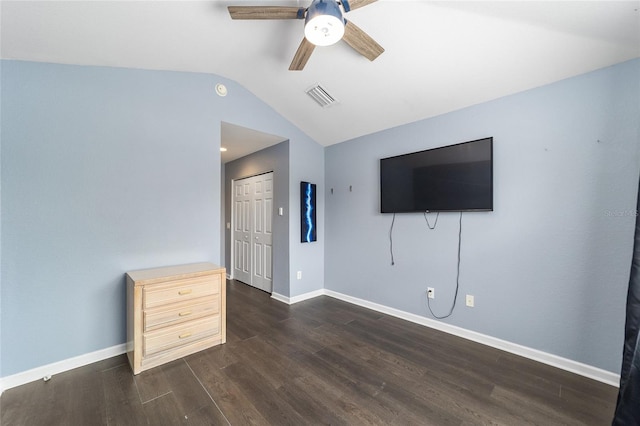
{"type": "Point", "coordinates": [450, 178]}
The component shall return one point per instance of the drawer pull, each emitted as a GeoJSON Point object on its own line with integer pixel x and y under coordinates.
{"type": "Point", "coordinates": [183, 292]}
{"type": "Point", "coordinates": [185, 335]}
{"type": "Point", "coordinates": [184, 314]}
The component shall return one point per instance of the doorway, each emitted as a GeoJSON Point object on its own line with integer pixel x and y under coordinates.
{"type": "Point", "coordinates": [252, 231]}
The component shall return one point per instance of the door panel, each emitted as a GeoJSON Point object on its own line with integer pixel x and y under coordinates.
{"type": "Point", "coordinates": [268, 263]}
{"type": "Point", "coordinates": [262, 238]}
{"type": "Point", "coordinates": [258, 212]}
{"type": "Point", "coordinates": [253, 228]}
{"type": "Point", "coordinates": [242, 232]}
{"type": "Point", "coordinates": [257, 260]}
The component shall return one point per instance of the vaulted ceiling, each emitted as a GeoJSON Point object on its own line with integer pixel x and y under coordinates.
{"type": "Point", "coordinates": [439, 55]}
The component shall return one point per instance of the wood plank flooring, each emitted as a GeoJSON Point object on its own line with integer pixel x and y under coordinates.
{"type": "Point", "coordinates": [322, 361]}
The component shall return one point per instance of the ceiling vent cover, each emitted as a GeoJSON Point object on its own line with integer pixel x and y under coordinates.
{"type": "Point", "coordinates": [321, 96]}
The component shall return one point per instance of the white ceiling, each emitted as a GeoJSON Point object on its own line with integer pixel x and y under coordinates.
{"type": "Point", "coordinates": [440, 55]}
{"type": "Point", "coordinates": [240, 141]}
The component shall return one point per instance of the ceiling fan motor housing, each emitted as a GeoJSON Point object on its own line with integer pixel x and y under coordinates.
{"type": "Point", "coordinates": [324, 24]}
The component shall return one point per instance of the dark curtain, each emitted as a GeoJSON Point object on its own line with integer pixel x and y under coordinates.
{"type": "Point", "coordinates": [628, 405]}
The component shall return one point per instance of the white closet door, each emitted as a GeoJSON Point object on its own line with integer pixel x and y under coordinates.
{"type": "Point", "coordinates": [262, 252]}
{"type": "Point", "coordinates": [253, 231]}
{"type": "Point", "coordinates": [242, 192]}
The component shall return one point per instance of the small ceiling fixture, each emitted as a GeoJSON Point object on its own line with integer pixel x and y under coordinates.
{"type": "Point", "coordinates": [221, 89]}
{"type": "Point", "coordinates": [324, 24]}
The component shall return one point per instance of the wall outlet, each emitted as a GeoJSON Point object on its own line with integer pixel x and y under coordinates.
{"type": "Point", "coordinates": [431, 292]}
{"type": "Point", "coordinates": [470, 301]}
{"type": "Point", "coordinates": [299, 275]}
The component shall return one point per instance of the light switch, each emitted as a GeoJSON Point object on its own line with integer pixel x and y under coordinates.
{"type": "Point", "coordinates": [280, 211]}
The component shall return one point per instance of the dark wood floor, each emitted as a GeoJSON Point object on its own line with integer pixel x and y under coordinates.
{"type": "Point", "coordinates": [321, 361]}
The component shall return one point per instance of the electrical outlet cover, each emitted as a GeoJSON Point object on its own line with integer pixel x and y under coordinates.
{"type": "Point", "coordinates": [470, 301]}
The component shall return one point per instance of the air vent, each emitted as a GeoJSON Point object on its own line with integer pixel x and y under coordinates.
{"type": "Point", "coordinates": [321, 96]}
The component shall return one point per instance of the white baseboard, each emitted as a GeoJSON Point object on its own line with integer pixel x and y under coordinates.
{"type": "Point", "coordinates": [299, 298]}
{"type": "Point", "coordinates": [533, 354]}
{"type": "Point", "coordinates": [59, 367]}
{"type": "Point", "coordinates": [280, 298]}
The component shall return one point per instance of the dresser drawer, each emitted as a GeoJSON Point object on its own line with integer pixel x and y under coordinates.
{"type": "Point", "coordinates": [167, 338]}
{"type": "Point", "coordinates": [165, 316]}
{"type": "Point", "coordinates": [179, 291]}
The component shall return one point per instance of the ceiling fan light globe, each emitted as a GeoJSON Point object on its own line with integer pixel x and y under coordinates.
{"type": "Point", "coordinates": [324, 30]}
{"type": "Point", "coordinates": [324, 24]}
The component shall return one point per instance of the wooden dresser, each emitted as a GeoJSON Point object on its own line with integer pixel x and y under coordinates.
{"type": "Point", "coordinates": [173, 312]}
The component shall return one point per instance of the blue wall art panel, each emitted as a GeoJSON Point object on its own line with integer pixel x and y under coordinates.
{"type": "Point", "coordinates": [308, 221]}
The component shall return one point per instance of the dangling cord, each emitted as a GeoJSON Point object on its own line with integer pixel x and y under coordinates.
{"type": "Point", "coordinates": [391, 238]}
{"type": "Point", "coordinates": [427, 220]}
{"type": "Point", "coordinates": [455, 297]}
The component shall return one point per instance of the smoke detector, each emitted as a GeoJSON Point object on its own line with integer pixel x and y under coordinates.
{"type": "Point", "coordinates": [221, 89]}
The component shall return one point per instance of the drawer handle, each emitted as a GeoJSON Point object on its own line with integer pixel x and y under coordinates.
{"type": "Point", "coordinates": [183, 292]}
{"type": "Point", "coordinates": [184, 314]}
{"type": "Point", "coordinates": [184, 336]}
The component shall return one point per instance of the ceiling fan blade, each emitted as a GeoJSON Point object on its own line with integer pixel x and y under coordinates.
{"type": "Point", "coordinates": [302, 55]}
{"type": "Point", "coordinates": [361, 42]}
{"type": "Point", "coordinates": [266, 12]}
{"type": "Point", "coordinates": [355, 4]}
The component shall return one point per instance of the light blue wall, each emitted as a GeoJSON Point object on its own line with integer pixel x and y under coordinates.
{"type": "Point", "coordinates": [273, 159]}
{"type": "Point", "coordinates": [306, 164]}
{"type": "Point", "coordinates": [549, 267]}
{"type": "Point", "coordinates": [1, 63]}
{"type": "Point", "coordinates": [299, 162]}
{"type": "Point", "coordinates": [105, 170]}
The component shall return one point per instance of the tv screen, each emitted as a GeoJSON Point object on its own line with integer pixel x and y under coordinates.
{"type": "Point", "coordinates": [450, 178]}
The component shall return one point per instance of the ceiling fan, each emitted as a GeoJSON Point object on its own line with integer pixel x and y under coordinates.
{"type": "Point", "coordinates": [324, 25]}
